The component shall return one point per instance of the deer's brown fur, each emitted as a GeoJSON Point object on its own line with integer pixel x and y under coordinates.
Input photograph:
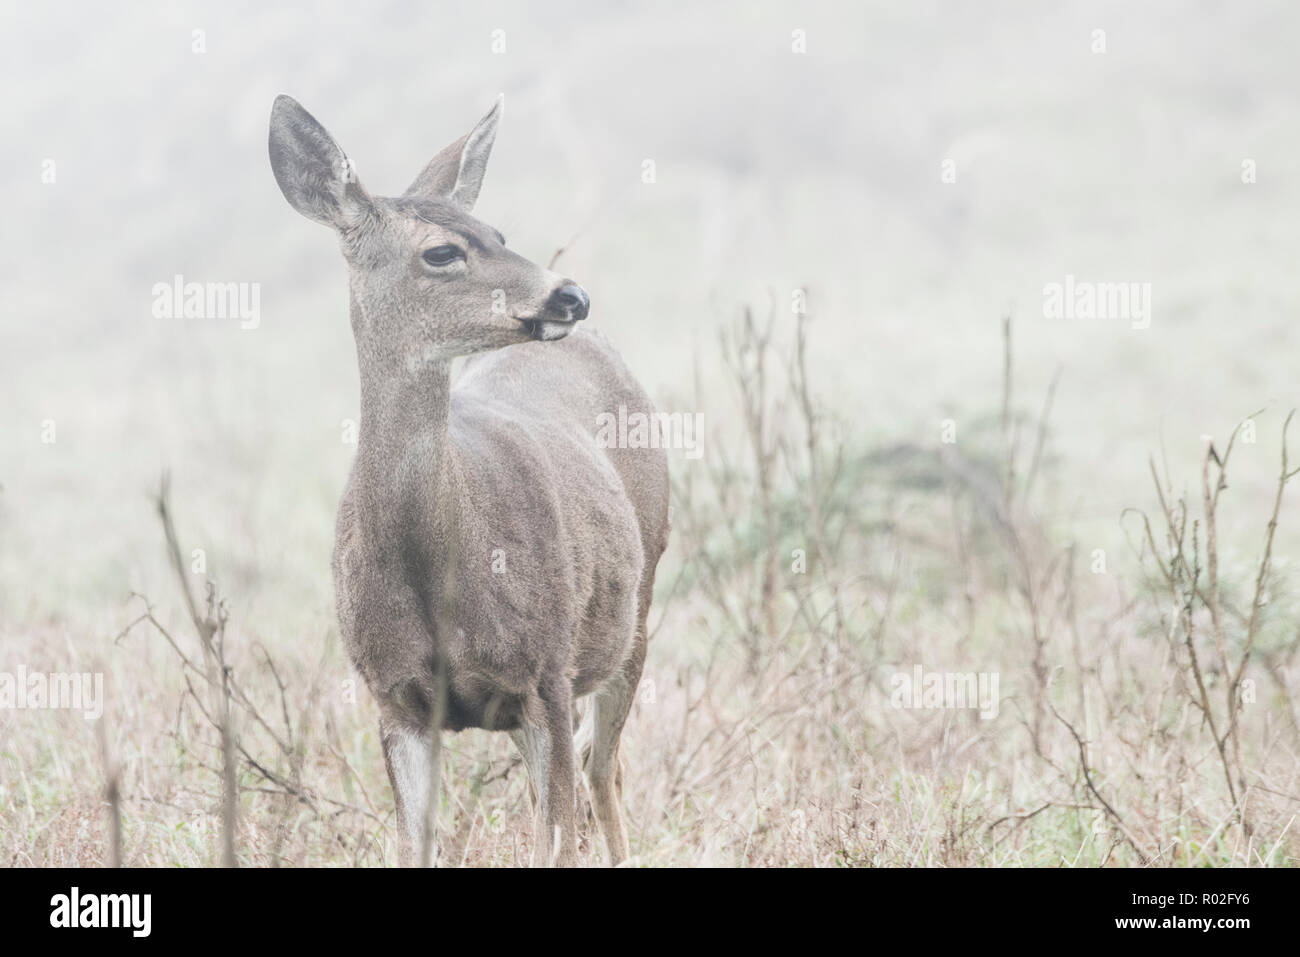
{"type": "Point", "coordinates": [492, 564]}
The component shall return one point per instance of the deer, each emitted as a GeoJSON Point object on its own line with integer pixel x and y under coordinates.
{"type": "Point", "coordinates": [493, 563]}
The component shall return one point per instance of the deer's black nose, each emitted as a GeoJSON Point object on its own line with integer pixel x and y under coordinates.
{"type": "Point", "coordinates": [571, 299]}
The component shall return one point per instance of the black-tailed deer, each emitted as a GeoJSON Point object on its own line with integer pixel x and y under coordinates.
{"type": "Point", "coordinates": [491, 563]}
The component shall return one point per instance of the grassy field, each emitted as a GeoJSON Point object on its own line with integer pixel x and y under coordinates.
{"type": "Point", "coordinates": [910, 481]}
{"type": "Point", "coordinates": [805, 575]}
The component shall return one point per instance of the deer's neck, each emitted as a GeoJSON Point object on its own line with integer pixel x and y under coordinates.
{"type": "Point", "coordinates": [404, 423]}
{"type": "Point", "coordinates": [406, 479]}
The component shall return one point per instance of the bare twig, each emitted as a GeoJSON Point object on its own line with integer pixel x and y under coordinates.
{"type": "Point", "coordinates": [1092, 787]}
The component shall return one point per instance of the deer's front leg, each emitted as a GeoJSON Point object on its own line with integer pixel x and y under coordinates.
{"type": "Point", "coordinates": [409, 756]}
{"type": "Point", "coordinates": [410, 735]}
{"type": "Point", "coordinates": [548, 735]}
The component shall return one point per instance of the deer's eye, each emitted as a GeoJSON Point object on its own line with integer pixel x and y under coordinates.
{"type": "Point", "coordinates": [442, 255]}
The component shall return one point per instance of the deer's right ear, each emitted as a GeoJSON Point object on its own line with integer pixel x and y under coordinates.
{"type": "Point", "coordinates": [314, 174]}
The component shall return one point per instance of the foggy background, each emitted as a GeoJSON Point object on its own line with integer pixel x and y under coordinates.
{"type": "Point", "coordinates": [774, 171]}
{"type": "Point", "coordinates": [795, 146]}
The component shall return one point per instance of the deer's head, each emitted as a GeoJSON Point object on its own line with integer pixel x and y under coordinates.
{"type": "Point", "coordinates": [427, 278]}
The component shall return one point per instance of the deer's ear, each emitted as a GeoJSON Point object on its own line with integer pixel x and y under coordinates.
{"type": "Point", "coordinates": [314, 174]}
{"type": "Point", "coordinates": [457, 172]}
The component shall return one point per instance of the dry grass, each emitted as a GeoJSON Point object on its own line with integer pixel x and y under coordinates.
{"type": "Point", "coordinates": [1143, 721]}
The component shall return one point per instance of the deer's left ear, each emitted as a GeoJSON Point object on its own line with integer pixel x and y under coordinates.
{"type": "Point", "coordinates": [457, 172]}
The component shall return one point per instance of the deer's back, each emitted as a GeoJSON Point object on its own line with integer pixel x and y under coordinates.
{"type": "Point", "coordinates": [574, 381]}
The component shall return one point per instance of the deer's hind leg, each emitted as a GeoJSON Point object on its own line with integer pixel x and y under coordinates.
{"type": "Point", "coordinates": [546, 741]}
{"type": "Point", "coordinates": [610, 707]}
